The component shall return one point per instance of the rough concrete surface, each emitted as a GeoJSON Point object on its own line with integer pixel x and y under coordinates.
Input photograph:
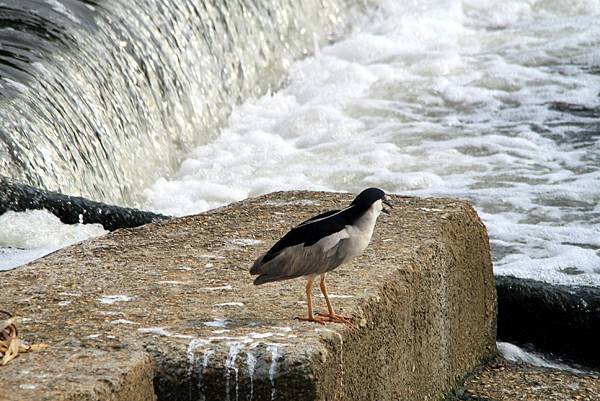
{"type": "Point", "coordinates": [501, 380]}
{"type": "Point", "coordinates": [174, 301]}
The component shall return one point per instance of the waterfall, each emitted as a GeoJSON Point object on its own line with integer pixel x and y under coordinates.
{"type": "Point", "coordinates": [100, 98]}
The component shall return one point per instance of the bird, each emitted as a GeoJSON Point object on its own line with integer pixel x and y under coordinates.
{"type": "Point", "coordinates": [321, 244]}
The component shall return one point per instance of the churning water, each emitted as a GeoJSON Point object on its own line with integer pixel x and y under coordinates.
{"type": "Point", "coordinates": [493, 101]}
{"type": "Point", "coordinates": [496, 102]}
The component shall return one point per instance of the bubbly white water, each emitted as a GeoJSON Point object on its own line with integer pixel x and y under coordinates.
{"type": "Point", "coordinates": [492, 101]}
{"type": "Point", "coordinates": [514, 353]}
{"type": "Point", "coordinates": [29, 235]}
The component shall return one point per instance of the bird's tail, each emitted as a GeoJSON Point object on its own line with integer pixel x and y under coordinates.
{"type": "Point", "coordinates": [255, 269]}
{"type": "Point", "coordinates": [262, 269]}
{"type": "Point", "coordinates": [265, 278]}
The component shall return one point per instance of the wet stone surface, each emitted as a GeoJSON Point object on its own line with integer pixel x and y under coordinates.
{"type": "Point", "coordinates": [169, 310]}
{"type": "Point", "coordinates": [501, 380]}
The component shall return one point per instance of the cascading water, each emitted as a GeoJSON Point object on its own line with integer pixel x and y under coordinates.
{"type": "Point", "coordinates": [100, 98]}
{"type": "Point", "coordinates": [493, 101]}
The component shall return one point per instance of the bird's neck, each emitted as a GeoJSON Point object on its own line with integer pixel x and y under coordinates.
{"type": "Point", "coordinates": [366, 222]}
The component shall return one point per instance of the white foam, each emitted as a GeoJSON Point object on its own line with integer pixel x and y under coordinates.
{"type": "Point", "coordinates": [514, 353]}
{"type": "Point", "coordinates": [433, 98]}
{"type": "Point", "coordinates": [25, 236]}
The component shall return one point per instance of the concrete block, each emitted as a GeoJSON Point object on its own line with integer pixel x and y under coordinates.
{"type": "Point", "coordinates": [173, 303]}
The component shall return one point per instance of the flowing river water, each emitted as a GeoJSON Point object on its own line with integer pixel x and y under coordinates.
{"type": "Point", "coordinates": [492, 101]}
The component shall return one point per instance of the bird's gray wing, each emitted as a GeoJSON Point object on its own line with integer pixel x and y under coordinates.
{"type": "Point", "coordinates": [300, 260]}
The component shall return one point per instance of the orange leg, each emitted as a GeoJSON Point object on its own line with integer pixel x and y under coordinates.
{"type": "Point", "coordinates": [310, 317]}
{"type": "Point", "coordinates": [331, 316]}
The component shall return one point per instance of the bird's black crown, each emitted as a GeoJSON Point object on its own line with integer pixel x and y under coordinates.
{"type": "Point", "coordinates": [367, 197]}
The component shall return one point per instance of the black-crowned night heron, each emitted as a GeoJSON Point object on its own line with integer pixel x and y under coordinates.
{"type": "Point", "coordinates": [321, 244]}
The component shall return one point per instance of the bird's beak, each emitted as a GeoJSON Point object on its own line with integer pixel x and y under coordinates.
{"type": "Point", "coordinates": [388, 203]}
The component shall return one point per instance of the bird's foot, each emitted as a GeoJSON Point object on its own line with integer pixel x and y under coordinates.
{"type": "Point", "coordinates": [314, 319]}
{"type": "Point", "coordinates": [335, 318]}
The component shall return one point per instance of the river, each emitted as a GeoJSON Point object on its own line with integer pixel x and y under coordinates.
{"type": "Point", "coordinates": [496, 102]}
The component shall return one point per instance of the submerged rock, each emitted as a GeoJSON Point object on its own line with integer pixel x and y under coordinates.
{"type": "Point", "coordinates": [563, 320]}
{"type": "Point", "coordinates": [71, 209]}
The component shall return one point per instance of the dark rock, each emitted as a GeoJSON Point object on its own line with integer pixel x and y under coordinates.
{"type": "Point", "coordinates": [71, 209]}
{"type": "Point", "coordinates": [563, 320]}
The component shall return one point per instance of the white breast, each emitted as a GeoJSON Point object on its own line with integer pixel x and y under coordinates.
{"type": "Point", "coordinates": [359, 234]}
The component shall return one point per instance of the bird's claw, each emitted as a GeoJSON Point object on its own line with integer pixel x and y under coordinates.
{"type": "Point", "coordinates": [335, 318]}
{"type": "Point", "coordinates": [313, 319]}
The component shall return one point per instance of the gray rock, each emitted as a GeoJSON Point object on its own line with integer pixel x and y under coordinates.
{"type": "Point", "coordinates": [559, 319]}
{"type": "Point", "coordinates": [19, 197]}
